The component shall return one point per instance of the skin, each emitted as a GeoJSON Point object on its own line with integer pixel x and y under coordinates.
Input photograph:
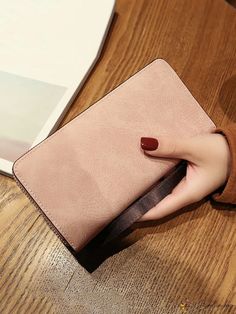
{"type": "Point", "coordinates": [208, 168]}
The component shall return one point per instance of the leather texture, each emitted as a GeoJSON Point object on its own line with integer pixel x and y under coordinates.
{"type": "Point", "coordinates": [92, 169]}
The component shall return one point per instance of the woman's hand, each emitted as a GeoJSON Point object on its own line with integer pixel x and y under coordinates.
{"type": "Point", "coordinates": [208, 167]}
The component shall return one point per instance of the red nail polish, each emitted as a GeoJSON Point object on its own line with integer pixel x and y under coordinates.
{"type": "Point", "coordinates": [149, 143]}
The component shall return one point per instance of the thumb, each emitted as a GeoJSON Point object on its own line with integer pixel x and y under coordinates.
{"type": "Point", "coordinates": [181, 196]}
{"type": "Point", "coordinates": [166, 146]}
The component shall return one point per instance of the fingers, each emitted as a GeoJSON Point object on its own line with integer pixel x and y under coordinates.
{"type": "Point", "coordinates": [208, 167]}
{"type": "Point", "coordinates": [180, 197]}
{"type": "Point", "coordinates": [169, 148]}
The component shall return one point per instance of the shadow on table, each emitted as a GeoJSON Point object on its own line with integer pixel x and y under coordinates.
{"type": "Point", "coordinates": [95, 253]}
{"type": "Point", "coordinates": [232, 2]}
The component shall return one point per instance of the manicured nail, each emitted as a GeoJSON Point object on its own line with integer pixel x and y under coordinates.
{"type": "Point", "coordinates": [149, 143]}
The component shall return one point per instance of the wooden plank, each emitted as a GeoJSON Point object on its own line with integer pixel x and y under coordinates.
{"type": "Point", "coordinates": [182, 263]}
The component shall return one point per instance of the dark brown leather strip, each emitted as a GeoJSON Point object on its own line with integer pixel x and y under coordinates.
{"type": "Point", "coordinates": [136, 210]}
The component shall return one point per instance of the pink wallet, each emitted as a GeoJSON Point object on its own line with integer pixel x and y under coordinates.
{"type": "Point", "coordinates": [88, 172]}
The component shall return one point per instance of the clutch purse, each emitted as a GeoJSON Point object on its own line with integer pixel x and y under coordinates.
{"type": "Point", "coordinates": [90, 171]}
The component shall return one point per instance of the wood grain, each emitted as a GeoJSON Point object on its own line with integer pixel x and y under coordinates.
{"type": "Point", "coordinates": [183, 264]}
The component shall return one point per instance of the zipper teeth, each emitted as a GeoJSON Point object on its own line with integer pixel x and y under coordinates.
{"type": "Point", "coordinates": [48, 221]}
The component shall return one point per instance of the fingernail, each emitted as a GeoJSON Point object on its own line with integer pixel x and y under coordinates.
{"type": "Point", "coordinates": [149, 143]}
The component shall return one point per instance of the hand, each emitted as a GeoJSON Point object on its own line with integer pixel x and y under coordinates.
{"type": "Point", "coordinates": [208, 167]}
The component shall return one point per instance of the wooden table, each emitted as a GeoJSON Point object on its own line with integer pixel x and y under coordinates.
{"type": "Point", "coordinates": [183, 264]}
